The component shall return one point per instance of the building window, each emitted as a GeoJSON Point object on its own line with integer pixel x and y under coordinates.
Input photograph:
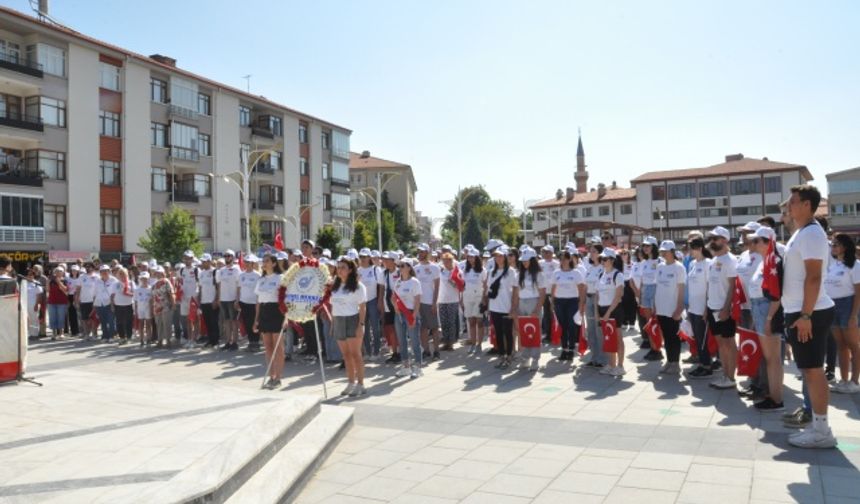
{"type": "Point", "coordinates": [682, 191]}
{"type": "Point", "coordinates": [108, 123]}
{"type": "Point", "coordinates": [203, 144]}
{"type": "Point", "coordinates": [158, 90]}
{"type": "Point", "coordinates": [303, 133]}
{"type": "Point", "coordinates": [110, 220]}
{"type": "Point", "coordinates": [204, 104]}
{"type": "Point", "coordinates": [183, 93]}
{"type": "Point", "coordinates": [771, 209]}
{"type": "Point", "coordinates": [747, 210]}
{"type": "Point", "coordinates": [682, 214]}
{"type": "Point", "coordinates": [159, 134]}
{"type": "Point", "coordinates": [603, 211]}
{"type": "Point", "coordinates": [303, 166]}
{"type": "Point", "coordinates": [244, 116]}
{"type": "Point", "coordinates": [340, 144]}
{"type": "Point", "coordinates": [304, 197]}
{"type": "Point", "coordinates": [325, 171]}
{"type": "Point", "coordinates": [203, 225]}
{"type": "Point", "coordinates": [586, 212]}
{"type": "Point", "coordinates": [271, 194]}
{"type": "Point", "coordinates": [276, 160]}
{"type": "Point", "coordinates": [109, 76]}
{"type": "Point", "coordinates": [340, 171]}
{"type": "Point", "coordinates": [10, 51]}
{"type": "Point", "coordinates": [773, 184]}
{"type": "Point", "coordinates": [712, 189]}
{"type": "Point", "coordinates": [183, 138]}
{"type": "Point", "coordinates": [275, 126]}
{"type": "Point", "coordinates": [746, 186]}
{"type": "Point", "coordinates": [21, 211]}
{"type": "Point", "coordinates": [109, 173]}
{"type": "Point", "coordinates": [325, 140]}
{"type": "Point", "coordinates": [843, 186]}
{"type": "Point", "coordinates": [658, 192]}
{"type": "Point", "coordinates": [159, 179]}
{"type": "Point", "coordinates": [55, 218]}
{"type": "Point", "coordinates": [572, 213]}
{"type": "Point", "coordinates": [327, 201]}
{"type": "Point", "coordinates": [202, 185]}
{"type": "Point", "coordinates": [713, 212]}
{"type": "Point", "coordinates": [51, 110]}
{"type": "Point", "coordinates": [52, 59]}
{"type": "Point", "coordinates": [340, 205]}
{"type": "Point", "coordinates": [51, 165]}
{"type": "Point", "coordinates": [306, 232]}
{"type": "Point", "coordinates": [626, 209]}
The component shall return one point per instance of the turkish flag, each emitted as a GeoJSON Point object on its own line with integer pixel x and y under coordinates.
{"type": "Point", "coordinates": [279, 242]}
{"type": "Point", "coordinates": [713, 346]}
{"type": "Point", "coordinates": [610, 335]}
{"type": "Point", "coordinates": [94, 319]}
{"type": "Point", "coordinates": [241, 261]}
{"type": "Point", "coordinates": [555, 332]}
{"type": "Point", "coordinates": [770, 278]}
{"type": "Point", "coordinates": [457, 279]}
{"type": "Point", "coordinates": [684, 334]}
{"type": "Point", "coordinates": [582, 346]}
{"type": "Point", "coordinates": [749, 352]}
{"type": "Point", "coordinates": [739, 299]}
{"type": "Point", "coordinates": [192, 310]}
{"type": "Point", "coordinates": [400, 306]}
{"type": "Point", "coordinates": [642, 312]}
{"type": "Point", "coordinates": [529, 329]}
{"type": "Point", "coordinates": [652, 329]}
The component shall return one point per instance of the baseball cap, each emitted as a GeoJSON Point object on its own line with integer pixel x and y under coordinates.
{"type": "Point", "coordinates": [422, 247]}
{"type": "Point", "coordinates": [281, 256]}
{"type": "Point", "coordinates": [493, 243]}
{"type": "Point", "coordinates": [375, 254]}
{"type": "Point", "coordinates": [595, 240]}
{"type": "Point", "coordinates": [326, 253]}
{"type": "Point", "coordinates": [229, 252]}
{"type": "Point", "coordinates": [721, 232]}
{"type": "Point", "coordinates": [667, 245]}
{"type": "Point", "coordinates": [143, 274]}
{"type": "Point", "coordinates": [252, 258]}
{"type": "Point", "coordinates": [608, 252]}
{"type": "Point", "coordinates": [205, 257]}
{"type": "Point", "coordinates": [765, 232]}
{"type": "Point", "coordinates": [365, 252]}
{"type": "Point", "coordinates": [188, 253]}
{"type": "Point", "coordinates": [104, 267]}
{"type": "Point", "coordinates": [749, 227]}
{"type": "Point", "coordinates": [527, 254]}
{"type": "Point", "coordinates": [649, 240]}
{"type": "Point", "coordinates": [309, 242]}
{"type": "Point", "coordinates": [447, 248]}
{"type": "Point", "coordinates": [548, 248]}
{"type": "Point", "coordinates": [501, 250]}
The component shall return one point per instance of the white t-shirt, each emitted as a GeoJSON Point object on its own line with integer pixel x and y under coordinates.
{"type": "Point", "coordinates": [809, 242]}
{"type": "Point", "coordinates": [670, 279]}
{"type": "Point", "coordinates": [448, 292]}
{"type": "Point", "coordinates": [142, 295]}
{"type": "Point", "coordinates": [73, 284]}
{"type": "Point", "coordinates": [592, 273]}
{"type": "Point", "coordinates": [475, 281]}
{"type": "Point", "coordinates": [345, 303]}
{"type": "Point", "coordinates": [247, 287]}
{"type": "Point", "coordinates": [607, 283]}
{"type": "Point", "coordinates": [189, 281]}
{"type": "Point", "coordinates": [567, 283]}
{"type": "Point", "coordinates": [648, 271]}
{"type": "Point", "coordinates": [697, 286]}
{"type": "Point", "coordinates": [502, 302]}
{"type": "Point", "coordinates": [426, 274]}
{"type": "Point", "coordinates": [408, 290]}
{"type": "Point", "coordinates": [87, 292]}
{"type": "Point", "coordinates": [267, 288]}
{"type": "Point", "coordinates": [103, 291]}
{"type": "Point", "coordinates": [747, 264]}
{"type": "Point", "coordinates": [530, 288]}
{"type": "Point", "coordinates": [206, 278]}
{"type": "Point", "coordinates": [120, 298]}
{"type": "Point", "coordinates": [228, 277]}
{"type": "Point", "coordinates": [840, 280]}
{"type": "Point", "coordinates": [721, 275]}
{"type": "Point", "coordinates": [636, 273]}
{"type": "Point", "coordinates": [370, 277]}
{"type": "Point", "coordinates": [754, 287]}
{"type": "Point", "coordinates": [628, 271]}
{"type": "Point", "coordinates": [548, 268]}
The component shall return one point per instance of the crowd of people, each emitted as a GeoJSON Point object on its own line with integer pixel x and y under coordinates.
{"type": "Point", "coordinates": [801, 298]}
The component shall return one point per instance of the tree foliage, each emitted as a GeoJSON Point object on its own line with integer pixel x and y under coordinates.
{"type": "Point", "coordinates": [255, 231]}
{"type": "Point", "coordinates": [329, 238]}
{"type": "Point", "coordinates": [483, 218]}
{"type": "Point", "coordinates": [171, 235]}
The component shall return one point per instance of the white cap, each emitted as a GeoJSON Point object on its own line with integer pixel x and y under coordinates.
{"type": "Point", "coordinates": [281, 256]}
{"type": "Point", "coordinates": [375, 254]}
{"type": "Point", "coordinates": [205, 257]}
{"type": "Point", "coordinates": [527, 254]}
{"type": "Point", "coordinates": [595, 240]}
{"type": "Point", "coordinates": [649, 240]}
{"type": "Point", "coordinates": [326, 253]}
{"type": "Point", "coordinates": [486, 254]}
{"type": "Point", "coordinates": [251, 258]}
{"type": "Point", "coordinates": [501, 250]}
{"type": "Point", "coordinates": [152, 263]}
{"type": "Point", "coordinates": [229, 252]}
{"type": "Point", "coordinates": [297, 253]}
{"type": "Point", "coordinates": [765, 232]}
{"type": "Point", "coordinates": [720, 231]}
{"type": "Point", "coordinates": [75, 267]}
{"type": "Point", "coordinates": [608, 252]}
{"type": "Point", "coordinates": [365, 252]}
{"type": "Point", "coordinates": [104, 267]}
{"type": "Point", "coordinates": [473, 252]}
{"type": "Point", "coordinates": [351, 254]}
{"type": "Point", "coordinates": [143, 274]}
{"type": "Point", "coordinates": [159, 269]}
{"type": "Point", "coordinates": [389, 255]}
{"type": "Point", "coordinates": [188, 253]}
{"type": "Point", "coordinates": [494, 243]}
{"type": "Point", "coordinates": [749, 227]}
{"type": "Point", "coordinates": [667, 245]}
{"type": "Point", "coordinates": [548, 248]}
{"type": "Point", "coordinates": [447, 248]}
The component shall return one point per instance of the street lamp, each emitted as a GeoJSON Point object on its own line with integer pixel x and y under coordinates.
{"type": "Point", "coordinates": [377, 200]}
{"type": "Point", "coordinates": [297, 220]}
{"type": "Point", "coordinates": [660, 217]}
{"type": "Point", "coordinates": [461, 195]}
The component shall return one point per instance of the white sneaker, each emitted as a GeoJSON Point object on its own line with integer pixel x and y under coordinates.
{"type": "Point", "coordinates": [811, 438]}
{"type": "Point", "coordinates": [416, 372]}
{"type": "Point", "coordinates": [723, 383]}
{"type": "Point", "coordinates": [348, 390]}
{"type": "Point", "coordinates": [606, 370]}
{"type": "Point", "coordinates": [671, 368]}
{"type": "Point", "coordinates": [403, 372]}
{"type": "Point", "coordinates": [358, 390]}
{"type": "Point", "coordinates": [851, 388]}
{"type": "Point", "coordinates": [535, 364]}
{"type": "Point", "coordinates": [618, 371]}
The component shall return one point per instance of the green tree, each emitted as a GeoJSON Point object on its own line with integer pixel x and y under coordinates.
{"type": "Point", "coordinates": [171, 235]}
{"type": "Point", "coordinates": [329, 238]}
{"type": "Point", "coordinates": [362, 235]}
{"type": "Point", "coordinates": [472, 233]}
{"type": "Point", "coordinates": [255, 231]}
{"type": "Point", "coordinates": [472, 197]}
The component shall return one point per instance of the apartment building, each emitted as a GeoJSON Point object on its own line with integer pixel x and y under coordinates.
{"type": "Point", "coordinates": [397, 179]}
{"type": "Point", "coordinates": [843, 192]}
{"type": "Point", "coordinates": [97, 141]}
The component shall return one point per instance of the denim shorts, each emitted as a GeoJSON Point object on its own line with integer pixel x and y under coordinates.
{"type": "Point", "coordinates": [759, 308]}
{"type": "Point", "coordinates": [843, 311]}
{"type": "Point", "coordinates": [648, 292]}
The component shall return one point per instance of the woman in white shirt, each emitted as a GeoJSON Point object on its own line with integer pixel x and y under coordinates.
{"type": "Point", "coordinates": [407, 300]}
{"type": "Point", "coordinates": [842, 284]}
{"type": "Point", "coordinates": [143, 308]}
{"type": "Point", "coordinates": [448, 301]}
{"type": "Point", "coordinates": [269, 319]}
{"type": "Point", "coordinates": [697, 291]}
{"type": "Point", "coordinates": [568, 299]}
{"type": "Point", "coordinates": [648, 286]}
{"type": "Point", "coordinates": [502, 291]}
{"type": "Point", "coordinates": [122, 299]}
{"type": "Point", "coordinates": [532, 292]}
{"type": "Point", "coordinates": [475, 277]}
{"type": "Point", "coordinates": [247, 300]}
{"type": "Point", "coordinates": [669, 304]}
{"type": "Point", "coordinates": [593, 268]}
{"type": "Point", "coordinates": [348, 309]}
{"type": "Point", "coordinates": [610, 290]}
{"type": "Point", "coordinates": [628, 301]}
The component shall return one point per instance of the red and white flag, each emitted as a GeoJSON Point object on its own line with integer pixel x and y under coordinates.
{"type": "Point", "coordinates": [610, 335]}
{"type": "Point", "coordinates": [279, 242]}
{"type": "Point", "coordinates": [685, 336]}
{"type": "Point", "coordinates": [400, 306]}
{"type": "Point", "coordinates": [770, 277]}
{"type": "Point", "coordinates": [457, 279]}
{"type": "Point", "coordinates": [749, 352]}
{"type": "Point", "coordinates": [739, 299]}
{"type": "Point", "coordinates": [555, 332]}
{"type": "Point", "coordinates": [652, 329]}
{"type": "Point", "coordinates": [713, 346]}
{"type": "Point", "coordinates": [529, 329]}
{"type": "Point", "coordinates": [582, 346]}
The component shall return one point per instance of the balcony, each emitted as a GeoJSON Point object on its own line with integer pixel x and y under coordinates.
{"type": "Point", "coordinates": [263, 205]}
{"type": "Point", "coordinates": [184, 154]}
{"type": "Point", "coordinates": [15, 234]}
{"type": "Point", "coordinates": [260, 131]}
{"type": "Point", "coordinates": [264, 169]}
{"type": "Point", "coordinates": [21, 65]}
{"type": "Point", "coordinates": [23, 122]}
{"type": "Point", "coordinates": [182, 112]}
{"type": "Point", "coordinates": [184, 197]}
{"type": "Point", "coordinates": [20, 178]}
{"type": "Point", "coordinates": [339, 182]}
{"type": "Point", "coordinates": [267, 126]}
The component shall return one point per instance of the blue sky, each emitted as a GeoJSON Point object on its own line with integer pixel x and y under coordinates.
{"type": "Point", "coordinates": [492, 92]}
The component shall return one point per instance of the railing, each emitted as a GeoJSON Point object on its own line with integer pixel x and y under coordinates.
{"type": "Point", "coordinates": [184, 112]}
{"type": "Point", "coordinates": [263, 205]}
{"type": "Point", "coordinates": [23, 178]}
{"type": "Point", "coordinates": [15, 234]}
{"type": "Point", "coordinates": [265, 169]}
{"type": "Point", "coordinates": [23, 122]}
{"type": "Point", "coordinates": [262, 131]}
{"type": "Point", "coordinates": [340, 182]}
{"type": "Point", "coordinates": [21, 65]}
{"type": "Point", "coordinates": [184, 154]}
{"type": "Point", "coordinates": [343, 154]}
{"type": "Point", "coordinates": [184, 197]}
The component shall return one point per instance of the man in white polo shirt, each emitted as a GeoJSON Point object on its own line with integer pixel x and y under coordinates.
{"type": "Point", "coordinates": [809, 310]}
{"type": "Point", "coordinates": [228, 290]}
{"type": "Point", "coordinates": [721, 289]}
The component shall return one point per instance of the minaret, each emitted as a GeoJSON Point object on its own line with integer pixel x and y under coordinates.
{"type": "Point", "coordinates": [581, 175]}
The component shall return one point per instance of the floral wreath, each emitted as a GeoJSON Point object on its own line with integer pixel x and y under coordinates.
{"type": "Point", "coordinates": [290, 275]}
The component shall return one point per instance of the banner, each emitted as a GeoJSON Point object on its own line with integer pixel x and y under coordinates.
{"type": "Point", "coordinates": [13, 336]}
{"type": "Point", "coordinates": [529, 329]}
{"type": "Point", "coordinates": [305, 284]}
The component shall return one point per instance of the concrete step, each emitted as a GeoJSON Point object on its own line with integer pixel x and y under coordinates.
{"type": "Point", "coordinates": [214, 477]}
{"type": "Point", "coordinates": [284, 476]}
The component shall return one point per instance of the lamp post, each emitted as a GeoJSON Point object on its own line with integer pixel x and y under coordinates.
{"type": "Point", "coordinates": [660, 218]}
{"type": "Point", "coordinates": [377, 199]}
{"type": "Point", "coordinates": [297, 220]}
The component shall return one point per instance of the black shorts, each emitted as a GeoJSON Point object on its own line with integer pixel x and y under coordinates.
{"type": "Point", "coordinates": [86, 310]}
{"type": "Point", "coordinates": [388, 318]}
{"type": "Point", "coordinates": [811, 354]}
{"type": "Point", "coordinates": [723, 328]}
{"type": "Point", "coordinates": [271, 318]}
{"type": "Point", "coordinates": [616, 314]}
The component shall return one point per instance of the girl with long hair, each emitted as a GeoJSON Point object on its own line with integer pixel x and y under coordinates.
{"type": "Point", "coordinates": [348, 298]}
{"type": "Point", "coordinates": [842, 284]}
{"type": "Point", "coordinates": [697, 290]}
{"type": "Point", "coordinates": [532, 292]}
{"type": "Point", "coordinates": [268, 319]}
{"type": "Point", "coordinates": [610, 289]}
{"type": "Point", "coordinates": [648, 289]}
{"type": "Point", "coordinates": [501, 297]}
{"type": "Point", "coordinates": [593, 267]}
{"type": "Point", "coordinates": [407, 290]}
{"type": "Point", "coordinates": [669, 304]}
{"type": "Point", "coordinates": [475, 278]}
{"type": "Point", "coordinates": [568, 298]}
{"type": "Point", "coordinates": [122, 300]}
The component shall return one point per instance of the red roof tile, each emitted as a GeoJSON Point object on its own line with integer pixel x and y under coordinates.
{"type": "Point", "coordinates": [621, 193]}
{"type": "Point", "coordinates": [745, 165]}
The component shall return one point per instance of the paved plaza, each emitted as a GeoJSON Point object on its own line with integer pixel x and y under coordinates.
{"type": "Point", "coordinates": [464, 432]}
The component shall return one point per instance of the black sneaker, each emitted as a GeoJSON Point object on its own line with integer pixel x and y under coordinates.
{"type": "Point", "coordinates": [436, 355]}
{"type": "Point", "coordinates": [653, 355]}
{"type": "Point", "coordinates": [394, 359]}
{"type": "Point", "coordinates": [563, 356]}
{"type": "Point", "coordinates": [425, 354]}
{"type": "Point", "coordinates": [831, 376]}
{"type": "Point", "coordinates": [493, 351]}
{"type": "Point", "coordinates": [232, 347]}
{"type": "Point", "coordinates": [342, 365]}
{"type": "Point", "coordinates": [716, 365]}
{"type": "Point", "coordinates": [769, 405]}
{"type": "Point", "coordinates": [700, 373]}
{"type": "Point", "coordinates": [645, 345]}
